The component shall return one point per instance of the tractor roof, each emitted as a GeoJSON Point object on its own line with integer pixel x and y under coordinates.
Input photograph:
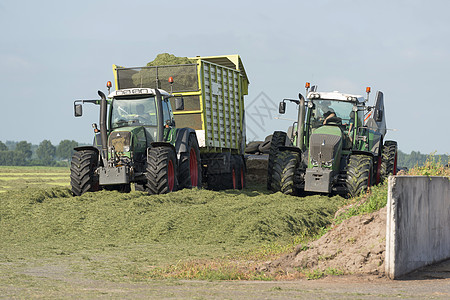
{"type": "Point", "coordinates": [137, 91]}
{"type": "Point", "coordinates": [336, 96]}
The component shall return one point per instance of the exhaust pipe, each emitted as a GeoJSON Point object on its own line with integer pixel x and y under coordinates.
{"type": "Point", "coordinates": [103, 130]}
{"type": "Point", "coordinates": [301, 121]}
{"type": "Point", "coordinates": [161, 124]}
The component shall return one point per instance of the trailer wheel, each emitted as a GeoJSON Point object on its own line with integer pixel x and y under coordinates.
{"type": "Point", "coordinates": [242, 170]}
{"type": "Point", "coordinates": [284, 166]}
{"type": "Point", "coordinates": [82, 172]}
{"type": "Point", "coordinates": [389, 159]}
{"type": "Point", "coordinates": [229, 180]}
{"type": "Point", "coordinates": [239, 175]}
{"type": "Point", "coordinates": [190, 168]}
{"type": "Point", "coordinates": [161, 171]}
{"type": "Point", "coordinates": [278, 139]}
{"type": "Point", "coordinates": [359, 174]}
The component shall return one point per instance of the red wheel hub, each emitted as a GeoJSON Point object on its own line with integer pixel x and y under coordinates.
{"type": "Point", "coordinates": [233, 173]}
{"type": "Point", "coordinates": [171, 175]}
{"type": "Point", "coordinates": [193, 167]}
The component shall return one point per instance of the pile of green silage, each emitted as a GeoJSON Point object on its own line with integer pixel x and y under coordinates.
{"type": "Point", "coordinates": [189, 217]}
{"type": "Point", "coordinates": [166, 59]}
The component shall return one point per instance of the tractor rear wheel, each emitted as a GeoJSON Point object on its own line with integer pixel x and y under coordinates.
{"type": "Point", "coordinates": [82, 172]}
{"type": "Point", "coordinates": [284, 166]}
{"type": "Point", "coordinates": [359, 174]}
{"type": "Point", "coordinates": [389, 159]}
{"type": "Point", "coordinates": [190, 168]}
{"type": "Point", "coordinates": [161, 171]}
{"type": "Point", "coordinates": [278, 139]}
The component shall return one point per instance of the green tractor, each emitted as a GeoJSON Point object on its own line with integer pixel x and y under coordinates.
{"type": "Point", "coordinates": [137, 142]}
{"type": "Point", "coordinates": [336, 146]}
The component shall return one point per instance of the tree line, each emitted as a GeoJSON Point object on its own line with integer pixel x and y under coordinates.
{"type": "Point", "coordinates": [418, 159]}
{"type": "Point", "coordinates": [45, 154]}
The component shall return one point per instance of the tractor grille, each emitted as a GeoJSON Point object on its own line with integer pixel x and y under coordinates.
{"type": "Point", "coordinates": [119, 140]}
{"type": "Point", "coordinates": [325, 144]}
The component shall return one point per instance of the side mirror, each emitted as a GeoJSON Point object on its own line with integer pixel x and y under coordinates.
{"type": "Point", "coordinates": [78, 110]}
{"type": "Point", "coordinates": [282, 108]}
{"type": "Point", "coordinates": [179, 103]}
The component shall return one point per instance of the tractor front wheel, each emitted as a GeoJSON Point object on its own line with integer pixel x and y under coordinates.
{"type": "Point", "coordinates": [359, 174]}
{"type": "Point", "coordinates": [82, 172]}
{"type": "Point", "coordinates": [284, 166]}
{"type": "Point", "coordinates": [278, 139]}
{"type": "Point", "coordinates": [161, 171]}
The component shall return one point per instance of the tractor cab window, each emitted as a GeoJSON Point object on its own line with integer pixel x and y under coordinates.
{"type": "Point", "coordinates": [332, 111]}
{"type": "Point", "coordinates": [133, 112]}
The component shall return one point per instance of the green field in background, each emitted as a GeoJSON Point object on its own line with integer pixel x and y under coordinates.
{"type": "Point", "coordinates": [12, 178]}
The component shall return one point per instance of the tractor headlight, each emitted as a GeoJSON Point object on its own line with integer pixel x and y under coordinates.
{"type": "Point", "coordinates": [328, 164]}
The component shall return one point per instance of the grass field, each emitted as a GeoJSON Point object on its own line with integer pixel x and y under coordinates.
{"type": "Point", "coordinates": [13, 178]}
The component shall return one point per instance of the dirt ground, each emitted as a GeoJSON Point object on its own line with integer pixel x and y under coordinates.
{"type": "Point", "coordinates": [356, 246]}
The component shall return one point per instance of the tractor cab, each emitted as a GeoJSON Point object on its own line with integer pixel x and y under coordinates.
{"type": "Point", "coordinates": [333, 109]}
{"type": "Point", "coordinates": [131, 109]}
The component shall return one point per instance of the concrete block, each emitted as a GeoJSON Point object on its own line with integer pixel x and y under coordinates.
{"type": "Point", "coordinates": [418, 223]}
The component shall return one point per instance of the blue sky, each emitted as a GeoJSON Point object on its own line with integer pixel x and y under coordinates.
{"type": "Point", "coordinates": [53, 52]}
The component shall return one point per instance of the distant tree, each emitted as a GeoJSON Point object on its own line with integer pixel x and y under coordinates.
{"type": "Point", "coordinates": [3, 147]}
{"type": "Point", "coordinates": [7, 158]}
{"type": "Point", "coordinates": [11, 145]}
{"type": "Point", "coordinates": [65, 149]}
{"type": "Point", "coordinates": [23, 150]}
{"type": "Point", "coordinates": [17, 158]}
{"type": "Point", "coordinates": [46, 152]}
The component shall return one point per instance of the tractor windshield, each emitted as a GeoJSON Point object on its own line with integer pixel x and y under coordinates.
{"type": "Point", "coordinates": [327, 111]}
{"type": "Point", "coordinates": [133, 112]}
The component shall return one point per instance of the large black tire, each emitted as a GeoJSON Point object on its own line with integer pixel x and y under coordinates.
{"type": "Point", "coordinates": [389, 159]}
{"type": "Point", "coordinates": [264, 147]}
{"type": "Point", "coordinates": [240, 175]}
{"type": "Point", "coordinates": [278, 139]}
{"type": "Point", "coordinates": [253, 147]}
{"type": "Point", "coordinates": [235, 179]}
{"type": "Point", "coordinates": [82, 172]}
{"type": "Point", "coordinates": [190, 168]}
{"type": "Point", "coordinates": [359, 174]}
{"type": "Point", "coordinates": [284, 167]}
{"type": "Point", "coordinates": [161, 171]}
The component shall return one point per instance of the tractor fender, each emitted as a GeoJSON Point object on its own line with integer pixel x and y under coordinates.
{"type": "Point", "coordinates": [182, 139]}
{"type": "Point", "coordinates": [81, 148]}
{"type": "Point", "coordinates": [161, 144]}
{"type": "Point", "coordinates": [362, 153]}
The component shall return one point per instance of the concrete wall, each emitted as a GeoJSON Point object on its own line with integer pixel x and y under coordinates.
{"type": "Point", "coordinates": [418, 223]}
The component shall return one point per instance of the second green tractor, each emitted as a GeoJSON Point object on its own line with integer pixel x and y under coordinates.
{"type": "Point", "coordinates": [336, 146]}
